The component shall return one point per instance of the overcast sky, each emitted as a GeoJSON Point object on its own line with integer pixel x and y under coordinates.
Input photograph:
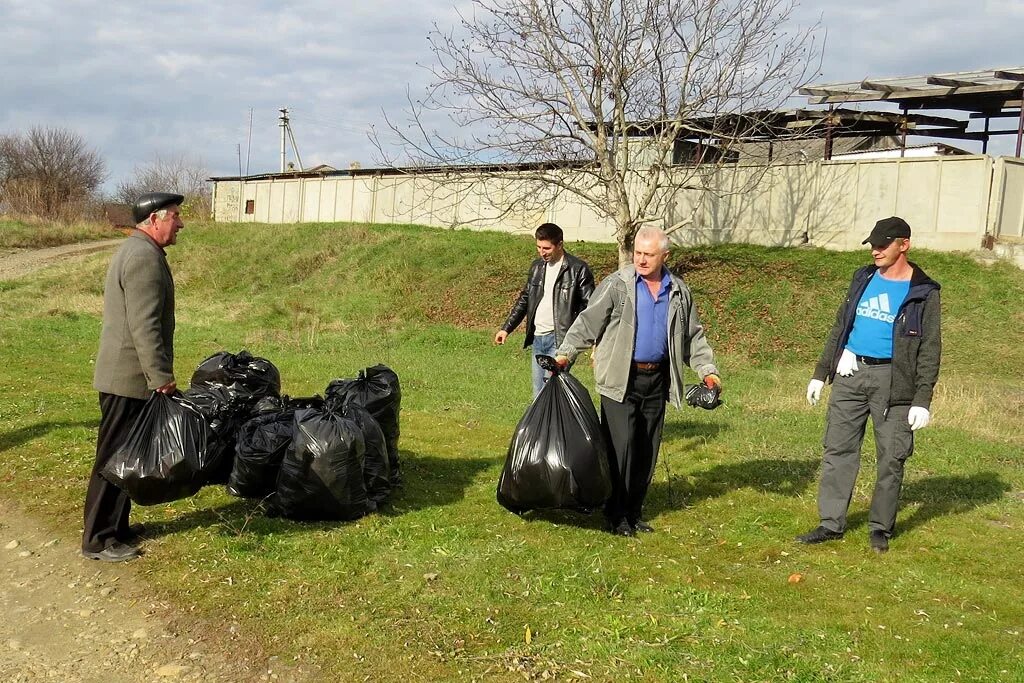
{"type": "Point", "coordinates": [137, 79]}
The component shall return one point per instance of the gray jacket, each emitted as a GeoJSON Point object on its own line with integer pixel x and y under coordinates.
{"type": "Point", "coordinates": [137, 342]}
{"type": "Point", "coordinates": [609, 321]}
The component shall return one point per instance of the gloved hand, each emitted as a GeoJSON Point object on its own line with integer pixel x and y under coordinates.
{"type": "Point", "coordinates": [713, 381]}
{"type": "Point", "coordinates": [847, 364]}
{"type": "Point", "coordinates": [814, 388]}
{"type": "Point", "coordinates": [918, 418]}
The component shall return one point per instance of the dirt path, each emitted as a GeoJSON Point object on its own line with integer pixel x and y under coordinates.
{"type": "Point", "coordinates": [74, 620]}
{"type": "Point", "coordinates": [17, 262]}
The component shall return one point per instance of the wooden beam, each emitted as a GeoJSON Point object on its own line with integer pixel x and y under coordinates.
{"type": "Point", "coordinates": [1009, 75]}
{"type": "Point", "coordinates": [951, 82]}
{"type": "Point", "coordinates": [999, 114]}
{"type": "Point", "coordinates": [884, 87]}
{"type": "Point", "coordinates": [938, 93]}
{"type": "Point", "coordinates": [820, 92]}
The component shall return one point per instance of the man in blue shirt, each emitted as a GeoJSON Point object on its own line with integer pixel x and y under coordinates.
{"type": "Point", "coordinates": [645, 326]}
{"type": "Point", "coordinates": [883, 358]}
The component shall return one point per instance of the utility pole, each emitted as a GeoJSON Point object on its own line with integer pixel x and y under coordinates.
{"type": "Point", "coordinates": [287, 134]}
{"type": "Point", "coordinates": [248, 146]}
{"type": "Point", "coordinates": [284, 136]}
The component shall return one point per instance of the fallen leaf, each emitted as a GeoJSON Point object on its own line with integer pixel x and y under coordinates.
{"type": "Point", "coordinates": [796, 578]}
{"type": "Point", "coordinates": [529, 635]}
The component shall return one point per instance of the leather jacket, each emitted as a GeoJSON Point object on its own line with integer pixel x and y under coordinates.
{"type": "Point", "coordinates": [573, 287]}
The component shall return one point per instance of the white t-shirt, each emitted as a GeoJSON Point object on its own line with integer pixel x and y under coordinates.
{"type": "Point", "coordinates": [544, 319]}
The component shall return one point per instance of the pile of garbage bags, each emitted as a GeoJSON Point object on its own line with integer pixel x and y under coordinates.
{"type": "Point", "coordinates": [332, 458]}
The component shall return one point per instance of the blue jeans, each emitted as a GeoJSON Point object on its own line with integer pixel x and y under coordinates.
{"type": "Point", "coordinates": [543, 345]}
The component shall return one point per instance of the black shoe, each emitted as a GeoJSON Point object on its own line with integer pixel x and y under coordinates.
{"type": "Point", "coordinates": [115, 552]}
{"type": "Point", "coordinates": [623, 528]}
{"type": "Point", "coordinates": [819, 535]}
{"type": "Point", "coordinates": [641, 525]}
{"type": "Point", "coordinates": [879, 541]}
{"type": "Point", "coordinates": [135, 533]}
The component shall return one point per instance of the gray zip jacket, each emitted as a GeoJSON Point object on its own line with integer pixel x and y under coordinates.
{"type": "Point", "coordinates": [609, 321]}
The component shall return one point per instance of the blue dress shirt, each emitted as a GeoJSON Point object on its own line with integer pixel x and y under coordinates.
{"type": "Point", "coordinates": [652, 321]}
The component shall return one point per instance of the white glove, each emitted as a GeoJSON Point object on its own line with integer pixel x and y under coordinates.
{"type": "Point", "coordinates": [918, 418]}
{"type": "Point", "coordinates": [814, 391]}
{"type": "Point", "coordinates": [847, 364]}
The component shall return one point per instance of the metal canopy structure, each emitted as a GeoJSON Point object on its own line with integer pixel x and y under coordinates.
{"type": "Point", "coordinates": [795, 125]}
{"type": "Point", "coordinates": [988, 94]}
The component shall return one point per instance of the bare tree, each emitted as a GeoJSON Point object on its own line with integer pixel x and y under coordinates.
{"type": "Point", "coordinates": [48, 172]}
{"type": "Point", "coordinates": [595, 97]}
{"type": "Point", "coordinates": [179, 174]}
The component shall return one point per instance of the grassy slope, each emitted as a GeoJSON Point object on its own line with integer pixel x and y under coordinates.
{"type": "Point", "coordinates": [20, 234]}
{"type": "Point", "coordinates": [708, 597]}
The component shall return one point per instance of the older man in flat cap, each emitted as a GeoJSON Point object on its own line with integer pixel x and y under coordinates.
{"type": "Point", "coordinates": [136, 358]}
{"type": "Point", "coordinates": [882, 358]}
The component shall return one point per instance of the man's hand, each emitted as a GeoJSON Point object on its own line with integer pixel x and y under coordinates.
{"type": "Point", "coordinates": [168, 388]}
{"type": "Point", "coordinates": [563, 362]}
{"type": "Point", "coordinates": [918, 418]}
{"type": "Point", "coordinates": [814, 388]}
{"type": "Point", "coordinates": [712, 381]}
{"type": "Point", "coordinates": [500, 337]}
{"type": "Point", "coordinates": [847, 364]}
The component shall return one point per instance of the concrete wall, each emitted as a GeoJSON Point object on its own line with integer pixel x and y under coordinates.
{"type": "Point", "coordinates": [949, 201]}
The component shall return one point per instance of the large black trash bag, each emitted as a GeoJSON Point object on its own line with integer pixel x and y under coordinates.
{"type": "Point", "coordinates": [248, 376]}
{"type": "Point", "coordinates": [259, 450]}
{"type": "Point", "coordinates": [376, 470]}
{"type": "Point", "coordinates": [377, 389]}
{"type": "Point", "coordinates": [558, 457]}
{"type": "Point", "coordinates": [261, 444]}
{"type": "Point", "coordinates": [165, 453]}
{"type": "Point", "coordinates": [321, 475]}
{"type": "Point", "coordinates": [225, 412]}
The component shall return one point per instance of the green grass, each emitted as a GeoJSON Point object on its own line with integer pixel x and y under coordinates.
{"type": "Point", "coordinates": [444, 584]}
{"type": "Point", "coordinates": [35, 234]}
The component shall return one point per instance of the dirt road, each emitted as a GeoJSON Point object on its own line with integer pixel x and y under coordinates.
{"type": "Point", "coordinates": [74, 620]}
{"type": "Point", "coordinates": [17, 262]}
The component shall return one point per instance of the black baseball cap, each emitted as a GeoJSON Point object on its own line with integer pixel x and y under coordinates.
{"type": "Point", "coordinates": [152, 202]}
{"type": "Point", "coordinates": [886, 230]}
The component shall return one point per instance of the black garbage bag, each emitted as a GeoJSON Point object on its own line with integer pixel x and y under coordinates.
{"type": "Point", "coordinates": [275, 404]}
{"type": "Point", "coordinates": [376, 470]}
{"type": "Point", "coordinates": [225, 412]}
{"type": "Point", "coordinates": [321, 475]}
{"type": "Point", "coordinates": [259, 450]}
{"type": "Point", "coordinates": [248, 377]}
{"type": "Point", "coordinates": [701, 396]}
{"type": "Point", "coordinates": [377, 388]}
{"type": "Point", "coordinates": [261, 443]}
{"type": "Point", "coordinates": [558, 457]}
{"type": "Point", "coordinates": [165, 453]}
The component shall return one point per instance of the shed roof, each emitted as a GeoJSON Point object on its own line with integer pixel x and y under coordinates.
{"type": "Point", "coordinates": [984, 91]}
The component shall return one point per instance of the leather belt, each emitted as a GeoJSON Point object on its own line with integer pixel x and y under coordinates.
{"type": "Point", "coordinates": [868, 360]}
{"type": "Point", "coordinates": [648, 367]}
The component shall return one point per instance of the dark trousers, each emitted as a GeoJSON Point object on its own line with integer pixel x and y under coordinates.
{"type": "Point", "coordinates": [632, 429]}
{"type": "Point", "coordinates": [852, 401]}
{"type": "Point", "coordinates": [106, 506]}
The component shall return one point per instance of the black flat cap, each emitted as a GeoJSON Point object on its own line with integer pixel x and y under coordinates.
{"type": "Point", "coordinates": [888, 229]}
{"type": "Point", "coordinates": [152, 202]}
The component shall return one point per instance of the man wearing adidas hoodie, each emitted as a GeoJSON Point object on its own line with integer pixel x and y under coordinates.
{"type": "Point", "coordinates": [882, 357]}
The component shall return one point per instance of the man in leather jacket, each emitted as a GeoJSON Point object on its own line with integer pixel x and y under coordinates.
{"type": "Point", "coordinates": [883, 358]}
{"type": "Point", "coordinates": [557, 290]}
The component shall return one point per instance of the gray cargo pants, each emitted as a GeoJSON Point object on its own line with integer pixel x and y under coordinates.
{"type": "Point", "coordinates": [852, 400]}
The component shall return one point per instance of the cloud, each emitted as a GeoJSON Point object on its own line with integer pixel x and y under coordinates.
{"type": "Point", "coordinates": [161, 77]}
